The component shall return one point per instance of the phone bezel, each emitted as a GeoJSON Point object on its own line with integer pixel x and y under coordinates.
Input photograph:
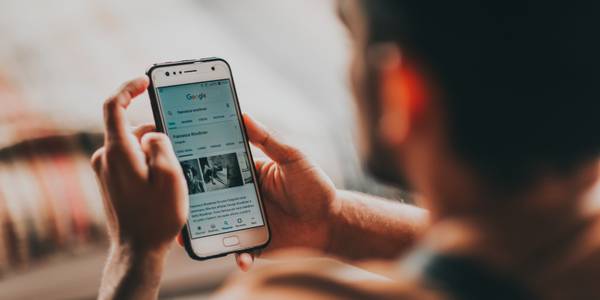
{"type": "Point", "coordinates": [158, 119]}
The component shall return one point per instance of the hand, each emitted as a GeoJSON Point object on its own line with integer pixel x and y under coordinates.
{"type": "Point", "coordinates": [300, 200]}
{"type": "Point", "coordinates": [144, 192]}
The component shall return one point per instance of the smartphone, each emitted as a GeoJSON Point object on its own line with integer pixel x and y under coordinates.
{"type": "Point", "coordinates": [195, 103]}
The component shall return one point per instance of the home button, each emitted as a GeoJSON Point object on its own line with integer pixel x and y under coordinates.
{"type": "Point", "coordinates": [231, 241]}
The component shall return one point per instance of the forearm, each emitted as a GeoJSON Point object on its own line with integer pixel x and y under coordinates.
{"type": "Point", "coordinates": [369, 227]}
{"type": "Point", "coordinates": [132, 275]}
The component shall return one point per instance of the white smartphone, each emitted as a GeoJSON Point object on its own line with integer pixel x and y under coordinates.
{"type": "Point", "coordinates": [195, 103]}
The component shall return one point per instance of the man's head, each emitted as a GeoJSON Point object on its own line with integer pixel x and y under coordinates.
{"type": "Point", "coordinates": [189, 172]}
{"type": "Point", "coordinates": [506, 90]}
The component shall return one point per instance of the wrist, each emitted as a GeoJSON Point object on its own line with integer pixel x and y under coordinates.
{"type": "Point", "coordinates": [138, 261]}
{"type": "Point", "coordinates": [142, 247]}
{"type": "Point", "coordinates": [130, 272]}
{"type": "Point", "coordinates": [136, 258]}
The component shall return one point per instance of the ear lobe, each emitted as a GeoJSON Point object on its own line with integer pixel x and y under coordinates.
{"type": "Point", "coordinates": [402, 101]}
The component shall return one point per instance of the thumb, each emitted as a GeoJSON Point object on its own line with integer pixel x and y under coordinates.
{"type": "Point", "coordinates": [162, 161]}
{"type": "Point", "coordinates": [274, 148]}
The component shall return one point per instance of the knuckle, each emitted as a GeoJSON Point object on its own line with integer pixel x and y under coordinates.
{"type": "Point", "coordinates": [113, 152]}
{"type": "Point", "coordinates": [154, 142]}
{"type": "Point", "coordinates": [127, 85]}
{"type": "Point", "coordinates": [293, 152]}
{"type": "Point", "coordinates": [267, 138]}
{"type": "Point", "coordinates": [157, 141]}
{"type": "Point", "coordinates": [111, 104]}
{"type": "Point", "coordinates": [158, 137]}
{"type": "Point", "coordinates": [124, 85]}
{"type": "Point", "coordinates": [145, 128]}
{"type": "Point", "coordinates": [96, 159]}
{"type": "Point", "coordinates": [151, 138]}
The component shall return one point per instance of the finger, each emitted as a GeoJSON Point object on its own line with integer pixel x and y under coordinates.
{"type": "Point", "coordinates": [259, 163]}
{"type": "Point", "coordinates": [180, 240]}
{"type": "Point", "coordinates": [114, 109]}
{"type": "Point", "coordinates": [278, 151]}
{"type": "Point", "coordinates": [244, 261]}
{"type": "Point", "coordinates": [96, 160]}
{"type": "Point", "coordinates": [139, 131]}
{"type": "Point", "coordinates": [161, 158]}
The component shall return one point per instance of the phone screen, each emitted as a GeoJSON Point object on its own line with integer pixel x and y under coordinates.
{"type": "Point", "coordinates": [202, 122]}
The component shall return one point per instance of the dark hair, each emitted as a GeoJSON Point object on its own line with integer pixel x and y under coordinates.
{"type": "Point", "coordinates": [187, 167]}
{"type": "Point", "coordinates": [520, 79]}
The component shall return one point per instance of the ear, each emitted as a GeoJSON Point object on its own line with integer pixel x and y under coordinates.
{"type": "Point", "coordinates": [402, 99]}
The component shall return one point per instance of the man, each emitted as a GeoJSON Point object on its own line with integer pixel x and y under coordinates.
{"type": "Point", "coordinates": [192, 177]}
{"type": "Point", "coordinates": [489, 110]}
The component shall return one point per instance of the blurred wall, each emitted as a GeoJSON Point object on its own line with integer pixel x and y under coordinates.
{"type": "Point", "coordinates": [60, 59]}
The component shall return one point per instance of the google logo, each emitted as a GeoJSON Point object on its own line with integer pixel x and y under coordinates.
{"type": "Point", "coordinates": [199, 96]}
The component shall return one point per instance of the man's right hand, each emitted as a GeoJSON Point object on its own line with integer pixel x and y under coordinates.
{"type": "Point", "coordinates": [299, 198]}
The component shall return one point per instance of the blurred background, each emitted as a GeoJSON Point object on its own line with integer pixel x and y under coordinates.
{"type": "Point", "coordinates": [60, 59]}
